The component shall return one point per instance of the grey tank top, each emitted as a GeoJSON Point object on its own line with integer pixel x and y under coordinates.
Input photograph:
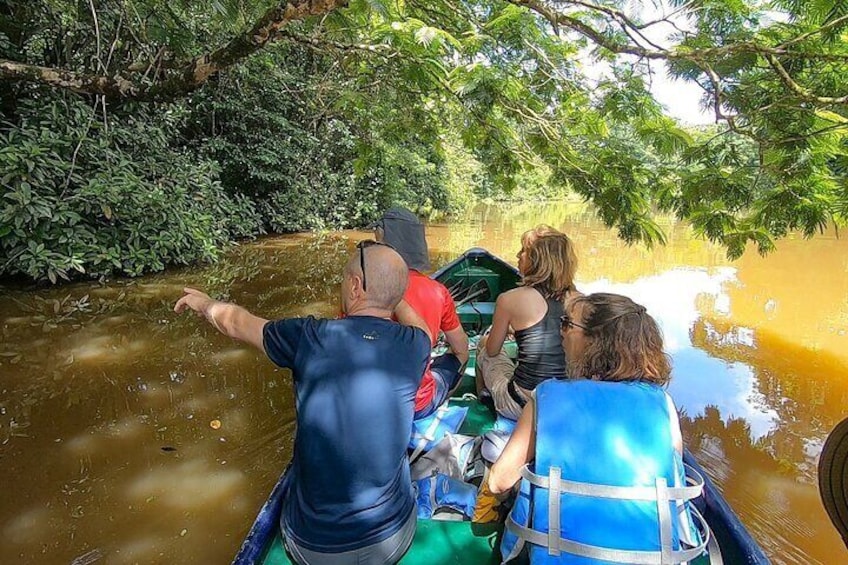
{"type": "Point", "coordinates": [540, 353]}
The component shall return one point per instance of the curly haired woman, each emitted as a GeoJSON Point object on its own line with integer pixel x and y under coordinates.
{"type": "Point", "coordinates": [600, 456]}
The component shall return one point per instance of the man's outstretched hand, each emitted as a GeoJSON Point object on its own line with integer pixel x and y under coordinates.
{"type": "Point", "coordinates": [196, 300]}
{"type": "Point", "coordinates": [229, 319]}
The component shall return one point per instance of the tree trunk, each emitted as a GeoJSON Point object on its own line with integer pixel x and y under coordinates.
{"type": "Point", "coordinates": [186, 77]}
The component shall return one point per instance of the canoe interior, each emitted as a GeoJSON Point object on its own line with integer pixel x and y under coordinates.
{"type": "Point", "coordinates": [482, 277]}
{"type": "Point", "coordinates": [436, 541]}
{"type": "Point", "coordinates": [475, 280]}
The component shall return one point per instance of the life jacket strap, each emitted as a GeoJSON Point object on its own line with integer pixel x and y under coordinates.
{"type": "Point", "coordinates": [714, 551]}
{"type": "Point", "coordinates": [617, 555]}
{"type": "Point", "coordinates": [664, 515]}
{"type": "Point", "coordinates": [430, 434]}
{"type": "Point", "coordinates": [554, 512]}
{"type": "Point", "coordinates": [694, 489]}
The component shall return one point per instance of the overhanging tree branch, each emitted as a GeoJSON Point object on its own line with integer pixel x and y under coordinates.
{"type": "Point", "coordinates": [557, 18]}
{"type": "Point", "coordinates": [113, 87]}
{"type": "Point", "coordinates": [187, 76]}
{"type": "Point", "coordinates": [826, 27]}
{"type": "Point", "coordinates": [322, 43]}
{"type": "Point", "coordinates": [799, 90]}
{"type": "Point", "coordinates": [715, 80]}
{"type": "Point", "coordinates": [702, 57]}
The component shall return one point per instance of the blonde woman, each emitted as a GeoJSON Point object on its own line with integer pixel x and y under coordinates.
{"type": "Point", "coordinates": [547, 262]}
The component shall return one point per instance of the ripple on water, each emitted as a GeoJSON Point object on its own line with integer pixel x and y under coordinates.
{"type": "Point", "coordinates": [27, 526]}
{"type": "Point", "coordinates": [160, 290]}
{"type": "Point", "coordinates": [129, 428]}
{"type": "Point", "coordinates": [19, 320]}
{"type": "Point", "coordinates": [200, 402]}
{"type": "Point", "coordinates": [234, 355]}
{"type": "Point", "coordinates": [106, 348]}
{"type": "Point", "coordinates": [118, 320]}
{"type": "Point", "coordinates": [86, 443]}
{"type": "Point", "coordinates": [712, 457]}
{"type": "Point", "coordinates": [145, 549]}
{"type": "Point", "coordinates": [195, 485]}
{"type": "Point", "coordinates": [104, 437]}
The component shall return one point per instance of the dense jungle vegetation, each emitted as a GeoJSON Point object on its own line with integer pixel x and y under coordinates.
{"type": "Point", "coordinates": [136, 134]}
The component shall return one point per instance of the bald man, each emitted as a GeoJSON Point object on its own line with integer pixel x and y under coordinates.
{"type": "Point", "coordinates": [349, 497]}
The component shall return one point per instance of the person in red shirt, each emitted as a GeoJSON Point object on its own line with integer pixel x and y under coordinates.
{"type": "Point", "coordinates": [431, 300]}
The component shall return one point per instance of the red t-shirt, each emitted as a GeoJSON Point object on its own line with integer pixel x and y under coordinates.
{"type": "Point", "coordinates": [431, 300]}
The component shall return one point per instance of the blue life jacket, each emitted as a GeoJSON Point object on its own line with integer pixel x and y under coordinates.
{"type": "Point", "coordinates": [607, 484]}
{"type": "Point", "coordinates": [441, 491]}
{"type": "Point", "coordinates": [504, 424]}
{"type": "Point", "coordinates": [429, 431]}
{"type": "Point", "coordinates": [495, 440]}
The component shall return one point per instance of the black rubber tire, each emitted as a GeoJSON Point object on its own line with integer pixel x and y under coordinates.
{"type": "Point", "coordinates": [833, 478]}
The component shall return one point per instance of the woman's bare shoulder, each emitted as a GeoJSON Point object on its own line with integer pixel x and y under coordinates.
{"type": "Point", "coordinates": [521, 296]}
{"type": "Point", "coordinates": [516, 294]}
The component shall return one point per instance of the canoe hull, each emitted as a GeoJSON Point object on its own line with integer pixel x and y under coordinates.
{"type": "Point", "coordinates": [476, 278]}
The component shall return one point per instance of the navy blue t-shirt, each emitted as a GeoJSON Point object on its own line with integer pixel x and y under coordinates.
{"type": "Point", "coordinates": [355, 382]}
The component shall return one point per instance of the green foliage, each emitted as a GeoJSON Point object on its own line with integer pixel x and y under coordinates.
{"type": "Point", "coordinates": [282, 143]}
{"type": "Point", "coordinates": [309, 163]}
{"type": "Point", "coordinates": [466, 178]}
{"type": "Point", "coordinates": [428, 104]}
{"type": "Point", "coordinates": [296, 165]}
{"type": "Point", "coordinates": [82, 195]}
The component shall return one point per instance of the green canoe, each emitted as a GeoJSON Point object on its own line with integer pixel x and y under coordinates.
{"type": "Point", "coordinates": [475, 279]}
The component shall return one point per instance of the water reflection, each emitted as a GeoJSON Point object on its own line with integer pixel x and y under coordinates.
{"type": "Point", "coordinates": [760, 357]}
{"type": "Point", "coordinates": [676, 299]}
{"type": "Point", "coordinates": [107, 400]}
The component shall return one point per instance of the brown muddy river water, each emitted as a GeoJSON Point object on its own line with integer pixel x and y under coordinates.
{"type": "Point", "coordinates": [131, 435]}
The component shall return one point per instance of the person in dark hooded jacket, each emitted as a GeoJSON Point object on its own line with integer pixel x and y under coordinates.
{"type": "Point", "coordinates": [431, 300]}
